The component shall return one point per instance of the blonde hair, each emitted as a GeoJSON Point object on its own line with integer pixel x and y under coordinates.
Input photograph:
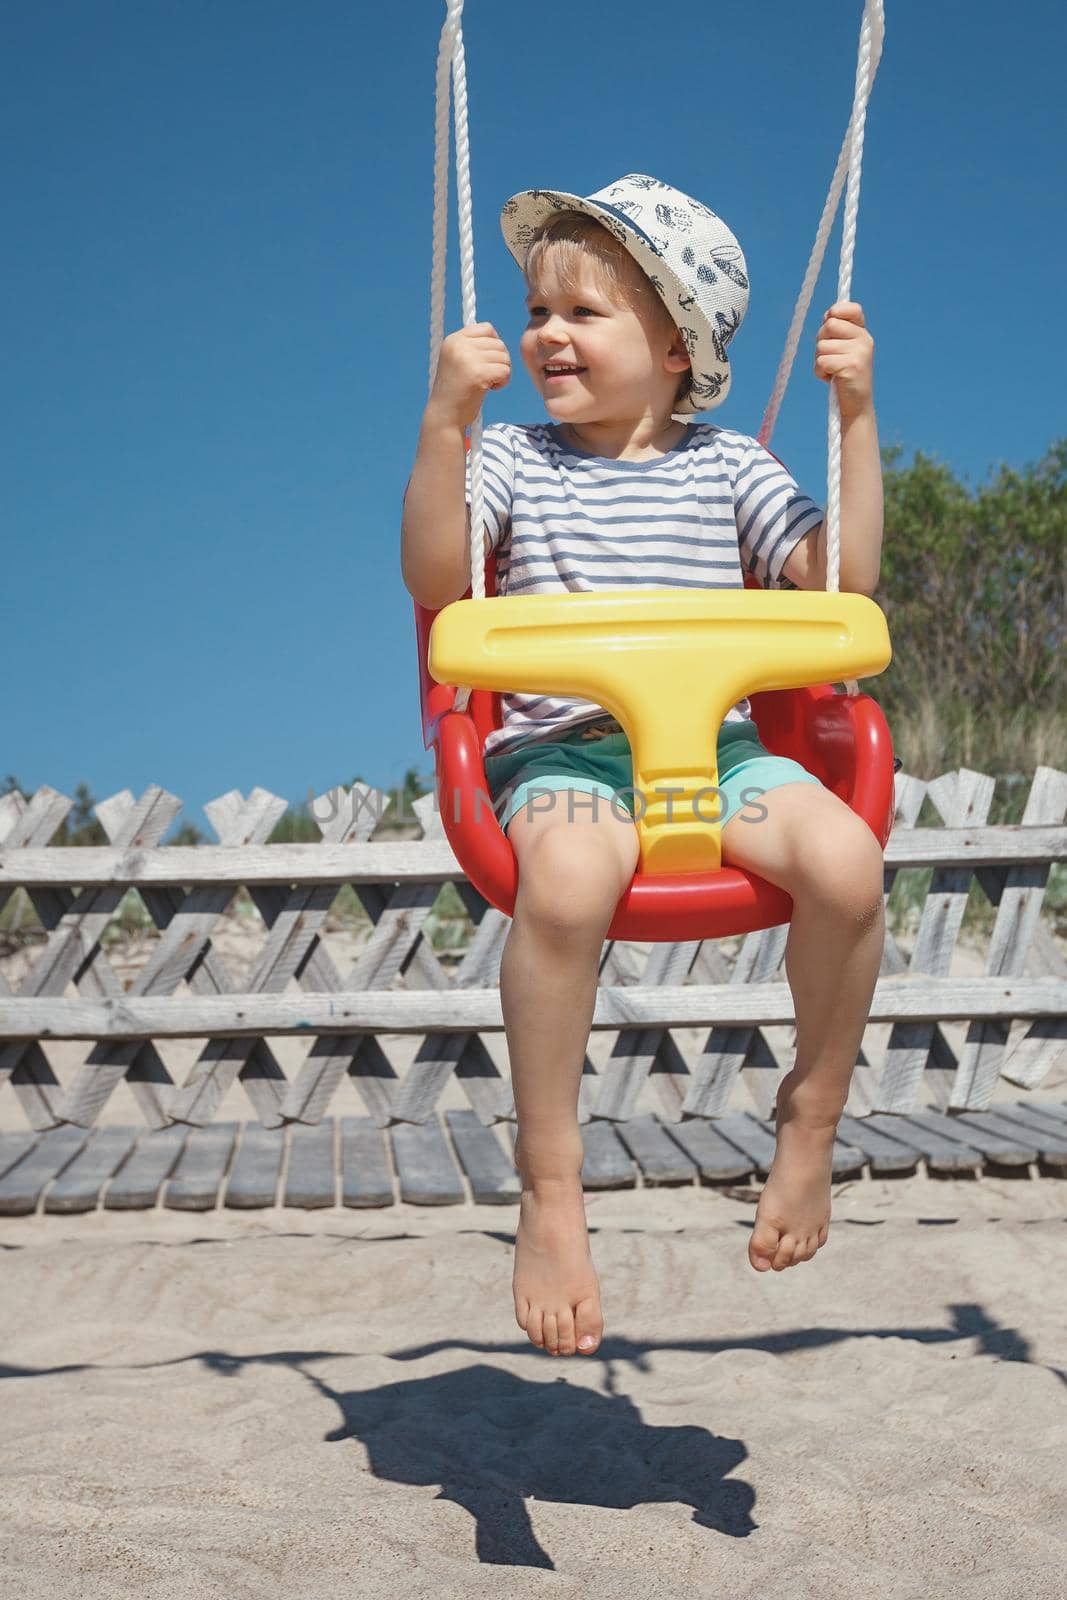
{"type": "Point", "coordinates": [575, 239]}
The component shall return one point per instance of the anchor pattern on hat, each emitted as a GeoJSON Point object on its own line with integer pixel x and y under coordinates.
{"type": "Point", "coordinates": [631, 208]}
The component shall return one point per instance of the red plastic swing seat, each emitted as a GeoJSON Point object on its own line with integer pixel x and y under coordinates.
{"type": "Point", "coordinates": [842, 740]}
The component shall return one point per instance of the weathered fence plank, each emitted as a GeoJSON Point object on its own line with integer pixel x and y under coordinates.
{"type": "Point", "coordinates": [972, 1136]}
{"type": "Point", "coordinates": [606, 1164]}
{"type": "Point", "coordinates": [136, 1185]}
{"type": "Point", "coordinates": [660, 1158]}
{"type": "Point", "coordinates": [365, 1176]}
{"type": "Point", "coordinates": [887, 1156]}
{"type": "Point", "coordinates": [78, 1186]}
{"type": "Point", "coordinates": [13, 1146]}
{"type": "Point", "coordinates": [749, 1135]}
{"type": "Point", "coordinates": [20, 1188]}
{"type": "Point", "coordinates": [1019, 1144]}
{"type": "Point", "coordinates": [309, 1178]}
{"type": "Point", "coordinates": [1045, 1116]}
{"type": "Point", "coordinates": [1051, 1147]}
{"type": "Point", "coordinates": [491, 1175]}
{"type": "Point", "coordinates": [462, 1012]}
{"type": "Point", "coordinates": [717, 1160]}
{"type": "Point", "coordinates": [941, 1154]}
{"type": "Point", "coordinates": [253, 1182]}
{"type": "Point", "coordinates": [201, 1168]}
{"type": "Point", "coordinates": [425, 1167]}
{"type": "Point", "coordinates": [391, 862]}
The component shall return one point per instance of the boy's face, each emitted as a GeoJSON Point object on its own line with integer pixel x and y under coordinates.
{"type": "Point", "coordinates": [631, 358]}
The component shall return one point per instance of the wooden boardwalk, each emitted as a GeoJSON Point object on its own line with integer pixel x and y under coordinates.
{"type": "Point", "coordinates": [350, 1161]}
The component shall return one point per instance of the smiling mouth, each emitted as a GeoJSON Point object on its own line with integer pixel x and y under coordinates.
{"type": "Point", "coordinates": [557, 377]}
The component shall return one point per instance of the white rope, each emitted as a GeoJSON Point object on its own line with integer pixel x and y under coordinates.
{"type": "Point", "coordinates": [872, 33]}
{"type": "Point", "coordinates": [849, 162]}
{"type": "Point", "coordinates": [451, 61]}
{"type": "Point", "coordinates": [440, 196]}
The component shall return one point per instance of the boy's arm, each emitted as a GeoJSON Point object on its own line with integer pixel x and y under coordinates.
{"type": "Point", "coordinates": [861, 518]}
{"type": "Point", "coordinates": [435, 526]}
{"type": "Point", "coordinates": [845, 357]}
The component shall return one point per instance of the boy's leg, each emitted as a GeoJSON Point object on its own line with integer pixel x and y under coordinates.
{"type": "Point", "coordinates": [575, 863]}
{"type": "Point", "coordinates": [815, 847]}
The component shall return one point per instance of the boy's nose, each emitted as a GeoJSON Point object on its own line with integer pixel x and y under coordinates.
{"type": "Point", "coordinates": [546, 328]}
{"type": "Point", "coordinates": [548, 347]}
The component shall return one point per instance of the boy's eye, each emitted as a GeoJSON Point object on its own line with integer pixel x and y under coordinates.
{"type": "Point", "coordinates": [536, 311]}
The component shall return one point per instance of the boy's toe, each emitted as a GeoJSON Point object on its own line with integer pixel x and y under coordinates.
{"type": "Point", "coordinates": [588, 1327]}
{"type": "Point", "coordinates": [763, 1245]}
{"type": "Point", "coordinates": [551, 1333]}
{"type": "Point", "coordinates": [785, 1253]}
{"type": "Point", "coordinates": [565, 1329]}
{"type": "Point", "coordinates": [534, 1326]}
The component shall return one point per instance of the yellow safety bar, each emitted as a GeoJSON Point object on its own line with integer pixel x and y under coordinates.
{"type": "Point", "coordinates": [668, 664]}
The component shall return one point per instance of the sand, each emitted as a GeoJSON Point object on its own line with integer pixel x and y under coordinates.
{"type": "Point", "coordinates": [286, 1405]}
{"type": "Point", "coordinates": [309, 1406]}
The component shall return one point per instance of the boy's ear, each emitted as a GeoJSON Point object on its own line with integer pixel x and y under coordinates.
{"type": "Point", "coordinates": [678, 355]}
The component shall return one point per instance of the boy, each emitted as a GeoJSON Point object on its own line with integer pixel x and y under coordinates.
{"type": "Point", "coordinates": [635, 294]}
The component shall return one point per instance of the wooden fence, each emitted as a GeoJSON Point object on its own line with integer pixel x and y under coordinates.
{"type": "Point", "coordinates": [1015, 1012]}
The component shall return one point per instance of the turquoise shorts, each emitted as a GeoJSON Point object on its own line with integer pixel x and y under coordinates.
{"type": "Point", "coordinates": [595, 761]}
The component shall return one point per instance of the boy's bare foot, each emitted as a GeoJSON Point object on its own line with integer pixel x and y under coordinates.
{"type": "Point", "coordinates": [793, 1214]}
{"type": "Point", "coordinates": [557, 1294]}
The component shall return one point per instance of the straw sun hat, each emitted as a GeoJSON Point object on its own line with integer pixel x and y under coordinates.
{"type": "Point", "coordinates": [687, 253]}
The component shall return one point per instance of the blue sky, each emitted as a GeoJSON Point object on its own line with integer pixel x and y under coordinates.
{"type": "Point", "coordinates": [218, 224]}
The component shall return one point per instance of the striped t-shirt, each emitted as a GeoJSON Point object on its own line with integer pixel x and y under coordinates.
{"type": "Point", "coordinates": [561, 520]}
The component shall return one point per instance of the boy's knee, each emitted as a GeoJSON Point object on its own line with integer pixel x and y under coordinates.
{"type": "Point", "coordinates": [573, 879]}
{"type": "Point", "coordinates": [844, 869]}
